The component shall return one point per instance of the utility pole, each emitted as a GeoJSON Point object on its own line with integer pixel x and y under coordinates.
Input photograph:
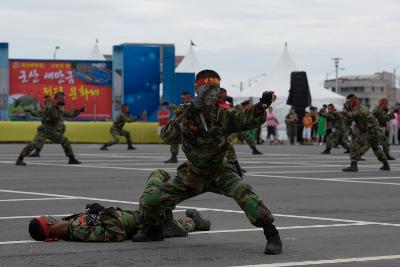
{"type": "Point", "coordinates": [336, 60]}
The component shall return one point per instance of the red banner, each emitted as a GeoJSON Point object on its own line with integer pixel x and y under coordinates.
{"type": "Point", "coordinates": [84, 83]}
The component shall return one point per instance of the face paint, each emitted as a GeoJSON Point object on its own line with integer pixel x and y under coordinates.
{"type": "Point", "coordinates": [211, 97]}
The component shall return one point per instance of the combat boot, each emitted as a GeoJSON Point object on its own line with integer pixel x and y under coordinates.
{"type": "Point", "coordinates": [385, 166]}
{"type": "Point", "coordinates": [171, 228]}
{"type": "Point", "coordinates": [130, 147]}
{"type": "Point", "coordinates": [256, 151]}
{"type": "Point", "coordinates": [173, 159]}
{"type": "Point", "coordinates": [353, 167]}
{"type": "Point", "coordinates": [73, 160]}
{"type": "Point", "coordinates": [326, 151]}
{"type": "Point", "coordinates": [104, 147]}
{"type": "Point", "coordinates": [20, 161]}
{"type": "Point", "coordinates": [200, 223]}
{"type": "Point", "coordinates": [347, 151]}
{"type": "Point", "coordinates": [274, 243]}
{"type": "Point", "coordinates": [35, 154]}
{"type": "Point", "coordinates": [150, 233]}
{"type": "Point", "coordinates": [388, 157]}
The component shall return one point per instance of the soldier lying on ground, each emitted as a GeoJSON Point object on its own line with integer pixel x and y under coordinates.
{"type": "Point", "coordinates": [99, 224]}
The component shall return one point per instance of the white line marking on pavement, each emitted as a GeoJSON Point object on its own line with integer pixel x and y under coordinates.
{"type": "Point", "coordinates": [31, 216]}
{"type": "Point", "coordinates": [319, 262]}
{"type": "Point", "coordinates": [198, 208]}
{"type": "Point", "coordinates": [319, 179]}
{"type": "Point", "coordinates": [19, 242]}
{"type": "Point", "coordinates": [281, 228]}
{"type": "Point", "coordinates": [36, 199]}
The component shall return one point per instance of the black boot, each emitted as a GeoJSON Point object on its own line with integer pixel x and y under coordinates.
{"type": "Point", "coordinates": [200, 223]}
{"type": "Point", "coordinates": [347, 151]}
{"type": "Point", "coordinates": [35, 154]}
{"type": "Point", "coordinates": [171, 229]}
{"type": "Point", "coordinates": [20, 161]}
{"type": "Point", "coordinates": [255, 150]}
{"type": "Point", "coordinates": [385, 166]}
{"type": "Point", "coordinates": [388, 157]}
{"type": "Point", "coordinates": [353, 167]}
{"type": "Point", "coordinates": [73, 160]}
{"type": "Point", "coordinates": [173, 159]}
{"type": "Point", "coordinates": [104, 147]}
{"type": "Point", "coordinates": [150, 233]}
{"type": "Point", "coordinates": [274, 243]}
{"type": "Point", "coordinates": [130, 147]}
{"type": "Point", "coordinates": [326, 151]}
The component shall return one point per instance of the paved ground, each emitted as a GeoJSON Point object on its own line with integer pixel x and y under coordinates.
{"type": "Point", "coordinates": [325, 216]}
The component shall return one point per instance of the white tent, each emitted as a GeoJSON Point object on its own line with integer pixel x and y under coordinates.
{"type": "Point", "coordinates": [190, 63]}
{"type": "Point", "coordinates": [95, 54]}
{"type": "Point", "coordinates": [278, 80]}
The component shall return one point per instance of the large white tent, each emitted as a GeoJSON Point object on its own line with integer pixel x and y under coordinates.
{"type": "Point", "coordinates": [278, 80]}
{"type": "Point", "coordinates": [95, 53]}
{"type": "Point", "coordinates": [190, 63]}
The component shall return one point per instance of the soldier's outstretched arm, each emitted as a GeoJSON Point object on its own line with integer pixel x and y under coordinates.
{"type": "Point", "coordinates": [251, 117]}
{"type": "Point", "coordinates": [327, 115]}
{"type": "Point", "coordinates": [73, 113]}
{"type": "Point", "coordinates": [171, 133]}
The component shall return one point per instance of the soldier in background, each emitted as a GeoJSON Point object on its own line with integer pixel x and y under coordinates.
{"type": "Point", "coordinates": [52, 128]}
{"type": "Point", "coordinates": [177, 110]}
{"type": "Point", "coordinates": [244, 136]}
{"type": "Point", "coordinates": [339, 132]}
{"type": "Point", "coordinates": [366, 134]}
{"type": "Point", "coordinates": [382, 114]}
{"type": "Point", "coordinates": [117, 130]}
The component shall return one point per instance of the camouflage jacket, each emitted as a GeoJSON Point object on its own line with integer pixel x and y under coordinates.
{"type": "Point", "coordinates": [120, 121]}
{"type": "Point", "coordinates": [383, 116]}
{"type": "Point", "coordinates": [206, 149]}
{"type": "Point", "coordinates": [364, 120]}
{"type": "Point", "coordinates": [53, 117]}
{"type": "Point", "coordinates": [337, 118]}
{"type": "Point", "coordinates": [107, 227]}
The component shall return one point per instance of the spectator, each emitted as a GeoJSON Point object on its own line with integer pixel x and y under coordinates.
{"type": "Point", "coordinates": [307, 126]}
{"type": "Point", "coordinates": [163, 117]}
{"type": "Point", "coordinates": [272, 125]}
{"type": "Point", "coordinates": [291, 121]}
{"type": "Point", "coordinates": [393, 128]}
{"type": "Point", "coordinates": [314, 116]}
{"type": "Point", "coordinates": [321, 133]}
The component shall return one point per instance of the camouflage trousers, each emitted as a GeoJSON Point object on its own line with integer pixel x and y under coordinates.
{"type": "Point", "coordinates": [382, 140]}
{"type": "Point", "coordinates": [47, 133]}
{"type": "Point", "coordinates": [174, 149]}
{"type": "Point", "coordinates": [116, 134]}
{"type": "Point", "coordinates": [363, 141]}
{"type": "Point", "coordinates": [339, 136]}
{"type": "Point", "coordinates": [231, 155]}
{"type": "Point", "coordinates": [245, 137]}
{"type": "Point", "coordinates": [157, 197]}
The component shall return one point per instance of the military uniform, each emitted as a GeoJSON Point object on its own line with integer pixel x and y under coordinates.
{"type": "Point", "coordinates": [174, 148]}
{"type": "Point", "coordinates": [366, 135]}
{"type": "Point", "coordinates": [116, 130]}
{"type": "Point", "coordinates": [53, 129]}
{"type": "Point", "coordinates": [206, 169]}
{"type": "Point", "coordinates": [339, 132]}
{"type": "Point", "coordinates": [383, 116]}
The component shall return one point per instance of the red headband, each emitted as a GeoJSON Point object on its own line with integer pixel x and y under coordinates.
{"type": "Point", "coordinates": [45, 227]}
{"type": "Point", "coordinates": [207, 81]}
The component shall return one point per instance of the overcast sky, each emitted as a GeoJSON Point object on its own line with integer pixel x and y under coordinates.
{"type": "Point", "coordinates": [238, 38]}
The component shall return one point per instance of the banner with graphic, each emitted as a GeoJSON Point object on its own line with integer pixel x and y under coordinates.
{"type": "Point", "coordinates": [84, 83]}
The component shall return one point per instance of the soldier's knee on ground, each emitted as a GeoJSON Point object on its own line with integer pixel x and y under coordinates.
{"type": "Point", "coordinates": [159, 174]}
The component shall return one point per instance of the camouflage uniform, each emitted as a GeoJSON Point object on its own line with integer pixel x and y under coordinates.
{"type": "Point", "coordinates": [52, 128]}
{"type": "Point", "coordinates": [206, 169]}
{"type": "Point", "coordinates": [367, 134]}
{"type": "Point", "coordinates": [383, 117]}
{"type": "Point", "coordinates": [339, 129]}
{"type": "Point", "coordinates": [118, 224]}
{"type": "Point", "coordinates": [117, 130]}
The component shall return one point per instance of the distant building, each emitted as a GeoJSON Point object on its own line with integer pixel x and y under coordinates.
{"type": "Point", "coordinates": [368, 88]}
